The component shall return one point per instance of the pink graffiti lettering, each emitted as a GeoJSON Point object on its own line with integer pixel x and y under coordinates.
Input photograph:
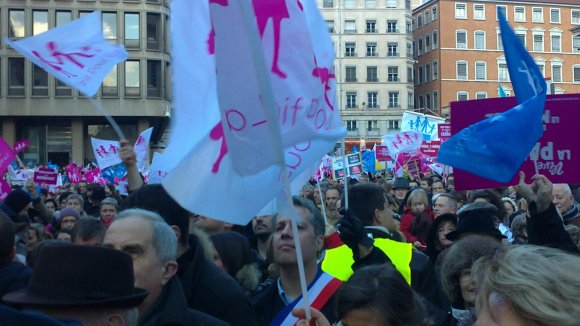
{"type": "Point", "coordinates": [217, 133]}
{"type": "Point", "coordinates": [277, 11]}
{"type": "Point", "coordinates": [231, 121]}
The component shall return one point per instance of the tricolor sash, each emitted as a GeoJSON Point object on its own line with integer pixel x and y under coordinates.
{"type": "Point", "coordinates": [318, 295]}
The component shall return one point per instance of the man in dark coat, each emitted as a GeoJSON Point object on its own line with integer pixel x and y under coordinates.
{"type": "Point", "coordinates": [13, 275]}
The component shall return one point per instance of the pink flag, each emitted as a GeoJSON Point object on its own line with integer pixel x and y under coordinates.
{"type": "Point", "coordinates": [402, 142]}
{"type": "Point", "coordinates": [20, 145]}
{"type": "Point", "coordinates": [7, 155]}
{"type": "Point", "coordinates": [75, 53]}
{"type": "Point", "coordinates": [5, 189]}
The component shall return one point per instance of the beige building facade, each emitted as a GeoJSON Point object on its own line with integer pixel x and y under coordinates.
{"type": "Point", "coordinates": [460, 56]}
{"type": "Point", "coordinates": [58, 120]}
{"type": "Point", "coordinates": [374, 62]}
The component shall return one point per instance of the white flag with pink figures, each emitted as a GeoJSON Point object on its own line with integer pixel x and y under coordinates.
{"type": "Point", "coordinates": [141, 148]}
{"type": "Point", "coordinates": [106, 152]}
{"type": "Point", "coordinates": [232, 167]}
{"type": "Point", "coordinates": [75, 53]}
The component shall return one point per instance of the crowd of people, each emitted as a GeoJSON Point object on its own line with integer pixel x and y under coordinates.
{"type": "Point", "coordinates": [403, 251]}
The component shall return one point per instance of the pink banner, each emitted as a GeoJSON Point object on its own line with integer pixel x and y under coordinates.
{"type": "Point", "coordinates": [7, 155]}
{"type": "Point", "coordinates": [382, 153]}
{"type": "Point", "coordinates": [20, 145]}
{"type": "Point", "coordinates": [444, 131]}
{"type": "Point", "coordinates": [45, 176]}
{"type": "Point", "coordinates": [430, 148]}
{"type": "Point", "coordinates": [4, 189]}
{"type": "Point", "coordinates": [557, 152]}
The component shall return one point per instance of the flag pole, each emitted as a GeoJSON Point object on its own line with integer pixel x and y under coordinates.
{"type": "Point", "coordinates": [345, 180]}
{"type": "Point", "coordinates": [108, 116]}
{"type": "Point", "coordinates": [265, 88]}
{"type": "Point", "coordinates": [321, 199]}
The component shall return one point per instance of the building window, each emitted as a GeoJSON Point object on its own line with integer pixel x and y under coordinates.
{"type": "Point", "coordinates": [427, 17]}
{"type": "Point", "coordinates": [479, 12]}
{"type": "Point", "coordinates": [39, 81]}
{"type": "Point", "coordinates": [351, 100]}
{"type": "Point", "coordinates": [480, 95]}
{"type": "Point", "coordinates": [154, 78]}
{"type": "Point", "coordinates": [434, 11]}
{"type": "Point", "coordinates": [372, 125]}
{"type": "Point", "coordinates": [372, 74]}
{"type": "Point", "coordinates": [393, 124]}
{"type": "Point", "coordinates": [153, 31]}
{"type": "Point", "coordinates": [351, 125]}
{"type": "Point", "coordinates": [17, 24]}
{"type": "Point", "coordinates": [111, 84]}
{"type": "Point", "coordinates": [499, 42]}
{"type": "Point", "coordinates": [63, 17]}
{"type": "Point", "coordinates": [435, 39]}
{"type": "Point", "coordinates": [350, 26]}
{"type": "Point", "coordinates": [370, 4]}
{"type": "Point", "coordinates": [427, 43]}
{"type": "Point", "coordinates": [420, 46]}
{"type": "Point", "coordinates": [460, 11]}
{"type": "Point", "coordinates": [110, 25]}
{"type": "Point", "coordinates": [420, 73]}
{"type": "Point", "coordinates": [537, 15]}
{"type": "Point", "coordinates": [435, 101]}
{"type": "Point", "coordinates": [16, 76]}
{"type": "Point", "coordinates": [542, 68]}
{"type": "Point", "coordinates": [556, 73]}
{"type": "Point", "coordinates": [480, 70]}
{"type": "Point", "coordinates": [421, 102]}
{"type": "Point", "coordinates": [479, 40]}
{"type": "Point", "coordinates": [409, 74]}
{"type": "Point", "coordinates": [372, 100]}
{"type": "Point", "coordinates": [350, 75]}
{"type": "Point", "coordinates": [392, 50]}
{"type": "Point", "coordinates": [428, 101]}
{"type": "Point", "coordinates": [502, 72]}
{"type": "Point", "coordinates": [394, 100]}
{"type": "Point", "coordinates": [461, 39]}
{"type": "Point", "coordinates": [328, 4]}
{"type": "Point", "coordinates": [576, 44]}
{"type": "Point", "coordinates": [349, 4]}
{"type": "Point", "coordinates": [519, 14]}
{"type": "Point", "coordinates": [576, 74]}
{"type": "Point", "coordinates": [350, 49]}
{"type": "Point", "coordinates": [419, 20]}
{"type": "Point", "coordinates": [393, 74]}
{"type": "Point", "coordinates": [461, 67]}
{"type": "Point", "coordinates": [539, 42]}
{"type": "Point", "coordinates": [39, 21]}
{"type": "Point", "coordinates": [371, 26]}
{"type": "Point", "coordinates": [462, 96]}
{"type": "Point", "coordinates": [522, 37]}
{"type": "Point", "coordinates": [555, 15]}
{"type": "Point", "coordinates": [435, 70]}
{"type": "Point", "coordinates": [132, 30]}
{"type": "Point", "coordinates": [393, 4]}
{"type": "Point", "coordinates": [427, 72]}
{"type": "Point", "coordinates": [409, 50]}
{"type": "Point", "coordinates": [132, 78]}
{"type": "Point", "coordinates": [409, 27]}
{"type": "Point", "coordinates": [392, 26]}
{"type": "Point", "coordinates": [410, 101]}
{"type": "Point", "coordinates": [575, 17]}
{"type": "Point", "coordinates": [503, 10]}
{"type": "Point", "coordinates": [371, 49]}
{"type": "Point", "coordinates": [556, 40]}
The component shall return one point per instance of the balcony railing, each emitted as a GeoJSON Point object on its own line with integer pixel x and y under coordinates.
{"type": "Point", "coordinates": [350, 54]}
{"type": "Point", "coordinates": [393, 54]}
{"type": "Point", "coordinates": [372, 79]}
{"type": "Point", "coordinates": [392, 30]}
{"type": "Point", "coordinates": [393, 79]}
{"type": "Point", "coordinates": [350, 80]}
{"type": "Point", "coordinates": [394, 106]}
{"type": "Point", "coordinates": [351, 107]}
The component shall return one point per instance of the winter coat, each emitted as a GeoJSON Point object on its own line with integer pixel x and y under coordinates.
{"type": "Point", "coordinates": [13, 276]}
{"type": "Point", "coordinates": [416, 228]}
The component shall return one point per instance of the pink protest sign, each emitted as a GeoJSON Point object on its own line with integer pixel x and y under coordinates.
{"type": "Point", "coordinates": [4, 189]}
{"type": "Point", "coordinates": [382, 153]}
{"type": "Point", "coordinates": [430, 148]}
{"type": "Point", "coordinates": [557, 152]}
{"type": "Point", "coordinates": [444, 131]}
{"type": "Point", "coordinates": [21, 145]}
{"type": "Point", "coordinates": [7, 155]}
{"type": "Point", "coordinates": [47, 176]}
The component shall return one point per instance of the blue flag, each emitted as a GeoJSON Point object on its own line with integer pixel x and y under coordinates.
{"type": "Point", "coordinates": [354, 149]}
{"type": "Point", "coordinates": [495, 148]}
{"type": "Point", "coordinates": [501, 91]}
{"type": "Point", "coordinates": [368, 160]}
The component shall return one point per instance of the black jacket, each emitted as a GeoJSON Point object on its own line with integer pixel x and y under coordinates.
{"type": "Point", "coordinates": [13, 276]}
{"type": "Point", "coordinates": [547, 229]}
{"type": "Point", "coordinates": [171, 309]}
{"type": "Point", "coordinates": [268, 304]}
{"type": "Point", "coordinates": [211, 290]}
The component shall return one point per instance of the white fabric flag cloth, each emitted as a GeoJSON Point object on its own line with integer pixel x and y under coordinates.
{"type": "Point", "coordinates": [224, 174]}
{"type": "Point", "coordinates": [106, 152]}
{"type": "Point", "coordinates": [75, 53]}
{"type": "Point", "coordinates": [141, 148]}
{"type": "Point", "coordinates": [402, 142]}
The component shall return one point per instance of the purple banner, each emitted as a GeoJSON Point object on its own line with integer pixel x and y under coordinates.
{"type": "Point", "coordinates": [7, 155]}
{"type": "Point", "coordinates": [45, 176]}
{"type": "Point", "coordinates": [444, 131]}
{"type": "Point", "coordinates": [557, 152]}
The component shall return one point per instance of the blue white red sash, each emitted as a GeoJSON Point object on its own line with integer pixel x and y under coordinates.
{"type": "Point", "coordinates": [318, 295]}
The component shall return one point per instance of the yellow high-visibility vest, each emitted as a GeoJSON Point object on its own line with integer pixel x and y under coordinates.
{"type": "Point", "coordinates": [338, 261]}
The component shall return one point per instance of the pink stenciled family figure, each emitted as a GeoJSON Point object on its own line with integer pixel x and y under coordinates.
{"type": "Point", "coordinates": [62, 58]}
{"type": "Point", "coordinates": [325, 76]}
{"type": "Point", "coordinates": [217, 133]}
{"type": "Point", "coordinates": [211, 36]}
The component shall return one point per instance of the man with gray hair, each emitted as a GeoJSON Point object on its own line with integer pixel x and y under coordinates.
{"type": "Point", "coordinates": [444, 203]}
{"type": "Point", "coordinates": [153, 245]}
{"type": "Point", "coordinates": [563, 199]}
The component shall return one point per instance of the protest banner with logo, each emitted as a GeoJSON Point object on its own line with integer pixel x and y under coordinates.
{"type": "Point", "coordinates": [382, 153]}
{"type": "Point", "coordinates": [20, 145]}
{"type": "Point", "coordinates": [557, 153]}
{"type": "Point", "coordinates": [46, 176]}
{"type": "Point", "coordinates": [444, 131]}
{"type": "Point", "coordinates": [430, 148]}
{"type": "Point", "coordinates": [423, 123]}
{"type": "Point", "coordinates": [7, 155]}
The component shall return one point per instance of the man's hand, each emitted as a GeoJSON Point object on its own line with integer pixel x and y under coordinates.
{"type": "Point", "coordinates": [127, 154]}
{"type": "Point", "coordinates": [354, 235]}
{"type": "Point", "coordinates": [539, 191]}
{"type": "Point", "coordinates": [317, 319]}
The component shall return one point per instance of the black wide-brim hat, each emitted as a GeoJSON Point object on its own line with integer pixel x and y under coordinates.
{"type": "Point", "coordinates": [80, 276]}
{"type": "Point", "coordinates": [475, 220]}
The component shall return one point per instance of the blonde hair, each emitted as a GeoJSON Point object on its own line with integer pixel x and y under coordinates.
{"type": "Point", "coordinates": [540, 285]}
{"type": "Point", "coordinates": [418, 196]}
